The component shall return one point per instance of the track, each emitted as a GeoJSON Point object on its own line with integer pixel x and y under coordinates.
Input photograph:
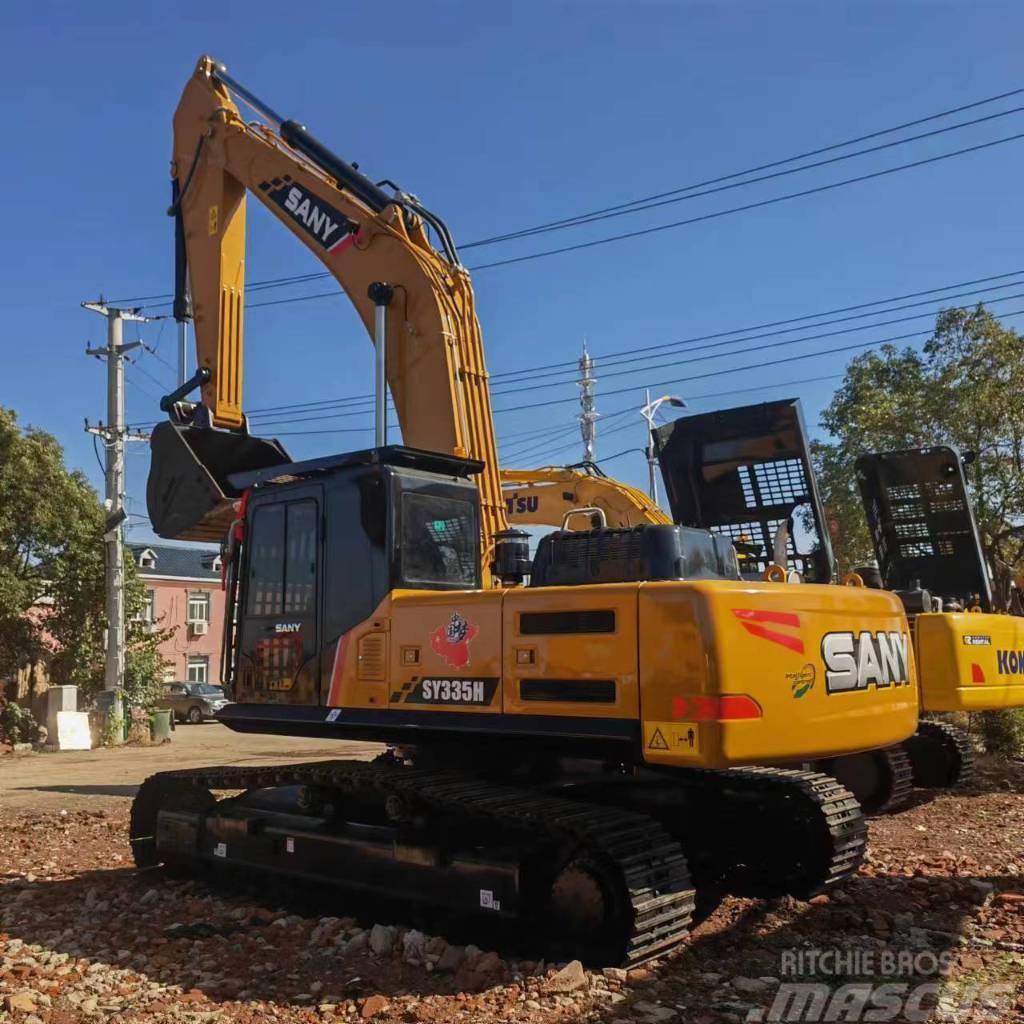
{"type": "Point", "coordinates": [770, 831]}
{"type": "Point", "coordinates": [571, 852]}
{"type": "Point", "coordinates": [880, 780]}
{"type": "Point", "coordinates": [940, 755]}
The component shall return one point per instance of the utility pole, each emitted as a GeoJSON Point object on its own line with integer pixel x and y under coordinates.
{"type": "Point", "coordinates": [588, 416]}
{"type": "Point", "coordinates": [114, 434]}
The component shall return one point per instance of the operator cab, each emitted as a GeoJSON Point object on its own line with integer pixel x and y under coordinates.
{"type": "Point", "coordinates": [324, 542]}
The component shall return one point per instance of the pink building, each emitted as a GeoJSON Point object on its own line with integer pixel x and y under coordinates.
{"type": "Point", "coordinates": [184, 593]}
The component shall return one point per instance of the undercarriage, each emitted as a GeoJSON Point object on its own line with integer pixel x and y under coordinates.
{"type": "Point", "coordinates": [602, 867]}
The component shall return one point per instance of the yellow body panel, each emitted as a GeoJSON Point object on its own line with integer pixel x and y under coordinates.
{"type": "Point", "coordinates": [970, 661]}
{"type": "Point", "coordinates": [765, 640]}
{"type": "Point", "coordinates": [661, 652]}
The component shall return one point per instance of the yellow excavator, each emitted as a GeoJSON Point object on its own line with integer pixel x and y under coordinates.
{"type": "Point", "coordinates": [560, 752]}
{"type": "Point", "coordinates": [746, 473]}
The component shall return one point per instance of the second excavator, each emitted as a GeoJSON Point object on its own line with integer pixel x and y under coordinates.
{"type": "Point", "coordinates": [559, 752]}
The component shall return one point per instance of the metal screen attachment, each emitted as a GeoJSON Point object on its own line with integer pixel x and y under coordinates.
{"type": "Point", "coordinates": [922, 525]}
{"type": "Point", "coordinates": [745, 473]}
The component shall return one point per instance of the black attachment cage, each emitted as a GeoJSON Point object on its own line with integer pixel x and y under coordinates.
{"type": "Point", "coordinates": [922, 524]}
{"type": "Point", "coordinates": [744, 473]}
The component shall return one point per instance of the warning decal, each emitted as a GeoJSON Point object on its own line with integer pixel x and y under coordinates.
{"type": "Point", "coordinates": [678, 739]}
{"type": "Point", "coordinates": [657, 741]}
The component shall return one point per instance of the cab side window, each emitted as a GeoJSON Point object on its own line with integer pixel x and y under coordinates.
{"type": "Point", "coordinates": [282, 563]}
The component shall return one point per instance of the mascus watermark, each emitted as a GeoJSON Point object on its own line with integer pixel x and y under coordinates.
{"type": "Point", "coordinates": [808, 1002]}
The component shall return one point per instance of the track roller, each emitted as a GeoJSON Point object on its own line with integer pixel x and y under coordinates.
{"type": "Point", "coordinates": [881, 780]}
{"type": "Point", "coordinates": [940, 756]}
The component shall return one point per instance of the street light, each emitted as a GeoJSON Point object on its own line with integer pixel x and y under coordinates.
{"type": "Point", "coordinates": [649, 411]}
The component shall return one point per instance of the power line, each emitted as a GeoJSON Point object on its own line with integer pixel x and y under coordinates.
{"type": "Point", "coordinates": [742, 369]}
{"type": "Point", "coordinates": [533, 386]}
{"type": "Point", "coordinates": [789, 320]}
{"type": "Point", "coordinates": [348, 403]}
{"type": "Point", "coordinates": [587, 217]}
{"type": "Point", "coordinates": [656, 202]}
{"type": "Point", "coordinates": [701, 218]}
{"type": "Point", "coordinates": [535, 383]}
{"type": "Point", "coordinates": [642, 232]}
{"type": "Point", "coordinates": [714, 215]}
{"type": "Point", "coordinates": [707, 395]}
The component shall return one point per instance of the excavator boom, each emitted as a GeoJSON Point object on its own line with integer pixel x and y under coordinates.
{"type": "Point", "coordinates": [544, 497]}
{"type": "Point", "coordinates": [376, 247]}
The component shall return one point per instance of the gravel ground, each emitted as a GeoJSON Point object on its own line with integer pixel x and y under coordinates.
{"type": "Point", "coordinates": [85, 937]}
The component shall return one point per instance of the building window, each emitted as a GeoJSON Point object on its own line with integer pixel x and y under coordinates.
{"type": "Point", "coordinates": [198, 606]}
{"type": "Point", "coordinates": [149, 609]}
{"type": "Point", "coordinates": [147, 559]}
{"type": "Point", "coordinates": [198, 670]}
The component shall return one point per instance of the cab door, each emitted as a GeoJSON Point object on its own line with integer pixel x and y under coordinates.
{"type": "Point", "coordinates": [279, 636]}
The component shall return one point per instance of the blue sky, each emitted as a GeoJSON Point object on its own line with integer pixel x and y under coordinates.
{"type": "Point", "coordinates": [500, 116]}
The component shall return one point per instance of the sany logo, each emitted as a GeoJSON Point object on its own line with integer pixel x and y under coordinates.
{"type": "Point", "coordinates": [310, 214]}
{"type": "Point", "coordinates": [867, 659]}
{"type": "Point", "coordinates": [331, 228]}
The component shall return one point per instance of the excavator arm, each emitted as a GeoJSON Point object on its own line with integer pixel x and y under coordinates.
{"type": "Point", "coordinates": [376, 247]}
{"type": "Point", "coordinates": [544, 497]}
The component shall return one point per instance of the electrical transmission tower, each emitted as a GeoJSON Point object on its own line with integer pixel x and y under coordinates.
{"type": "Point", "coordinates": [588, 415]}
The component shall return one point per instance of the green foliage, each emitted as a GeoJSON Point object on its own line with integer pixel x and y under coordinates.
{"type": "Point", "coordinates": [52, 570]}
{"type": "Point", "coordinates": [1002, 732]}
{"type": "Point", "coordinates": [144, 674]}
{"type": "Point", "coordinates": [17, 724]}
{"type": "Point", "coordinates": [965, 389]}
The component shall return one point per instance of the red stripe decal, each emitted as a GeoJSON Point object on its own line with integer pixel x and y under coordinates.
{"type": "Point", "coordinates": [977, 674]}
{"type": "Point", "coordinates": [758, 615]}
{"type": "Point", "coordinates": [794, 643]}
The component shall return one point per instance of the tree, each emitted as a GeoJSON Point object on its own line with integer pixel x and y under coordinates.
{"type": "Point", "coordinates": [52, 569]}
{"type": "Point", "coordinates": [965, 389]}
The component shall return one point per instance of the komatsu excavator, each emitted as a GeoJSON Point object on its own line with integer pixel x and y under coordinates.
{"type": "Point", "coordinates": [561, 751]}
{"type": "Point", "coordinates": [746, 473]}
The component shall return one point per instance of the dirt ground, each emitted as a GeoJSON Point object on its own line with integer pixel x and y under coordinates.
{"type": "Point", "coordinates": [937, 909]}
{"type": "Point", "coordinates": [110, 777]}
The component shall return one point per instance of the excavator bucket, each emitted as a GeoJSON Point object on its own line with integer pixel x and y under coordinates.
{"type": "Point", "coordinates": [747, 473]}
{"type": "Point", "coordinates": [189, 495]}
